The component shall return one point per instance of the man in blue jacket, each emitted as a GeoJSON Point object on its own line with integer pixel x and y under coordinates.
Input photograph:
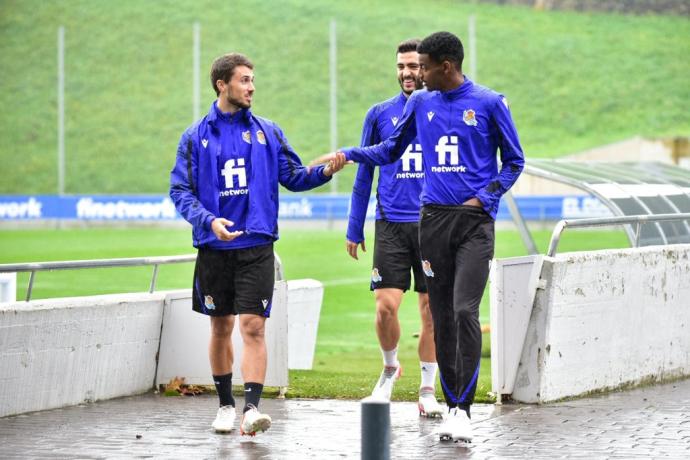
{"type": "Point", "coordinates": [460, 126]}
{"type": "Point", "coordinates": [396, 242]}
{"type": "Point", "coordinates": [225, 183]}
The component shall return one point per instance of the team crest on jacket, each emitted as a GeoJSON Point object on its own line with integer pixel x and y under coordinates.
{"type": "Point", "coordinates": [426, 266]}
{"type": "Point", "coordinates": [469, 117]}
{"type": "Point", "coordinates": [246, 137]}
{"type": "Point", "coordinates": [208, 302]}
{"type": "Point", "coordinates": [395, 121]}
{"type": "Point", "coordinates": [375, 276]}
{"type": "Point", "coordinates": [261, 137]}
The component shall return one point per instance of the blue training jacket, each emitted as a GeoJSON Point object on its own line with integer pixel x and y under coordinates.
{"type": "Point", "coordinates": [399, 183]}
{"type": "Point", "coordinates": [460, 132]}
{"type": "Point", "coordinates": [194, 186]}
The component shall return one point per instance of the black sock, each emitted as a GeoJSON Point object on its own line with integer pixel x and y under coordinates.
{"type": "Point", "coordinates": [224, 389]}
{"type": "Point", "coordinates": [252, 395]}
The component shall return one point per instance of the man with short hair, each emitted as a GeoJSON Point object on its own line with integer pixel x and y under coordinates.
{"type": "Point", "coordinates": [225, 183]}
{"type": "Point", "coordinates": [396, 243]}
{"type": "Point", "coordinates": [460, 126]}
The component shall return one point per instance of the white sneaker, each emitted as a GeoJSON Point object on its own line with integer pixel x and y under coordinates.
{"type": "Point", "coordinates": [225, 419]}
{"type": "Point", "coordinates": [428, 406]}
{"type": "Point", "coordinates": [253, 421]}
{"type": "Point", "coordinates": [384, 387]}
{"type": "Point", "coordinates": [456, 427]}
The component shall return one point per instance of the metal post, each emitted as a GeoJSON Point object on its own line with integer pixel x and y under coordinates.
{"type": "Point", "coordinates": [153, 279]}
{"type": "Point", "coordinates": [333, 58]}
{"type": "Point", "coordinates": [376, 429]}
{"type": "Point", "coordinates": [61, 110]}
{"type": "Point", "coordinates": [31, 285]}
{"type": "Point", "coordinates": [520, 223]}
{"type": "Point", "coordinates": [637, 235]}
{"type": "Point", "coordinates": [472, 40]}
{"type": "Point", "coordinates": [196, 62]}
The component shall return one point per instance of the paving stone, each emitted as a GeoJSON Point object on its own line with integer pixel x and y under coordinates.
{"type": "Point", "coordinates": [651, 422]}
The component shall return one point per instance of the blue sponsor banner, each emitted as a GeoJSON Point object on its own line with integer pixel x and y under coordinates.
{"type": "Point", "coordinates": [291, 206]}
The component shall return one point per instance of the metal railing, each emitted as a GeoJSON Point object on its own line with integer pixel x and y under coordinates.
{"type": "Point", "coordinates": [605, 221]}
{"type": "Point", "coordinates": [34, 267]}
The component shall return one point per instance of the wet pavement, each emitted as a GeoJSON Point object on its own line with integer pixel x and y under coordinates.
{"type": "Point", "coordinates": [651, 422]}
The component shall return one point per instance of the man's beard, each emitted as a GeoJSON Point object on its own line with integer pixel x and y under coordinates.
{"type": "Point", "coordinates": [238, 103]}
{"type": "Point", "coordinates": [417, 85]}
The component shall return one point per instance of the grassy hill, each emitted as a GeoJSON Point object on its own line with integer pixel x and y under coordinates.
{"type": "Point", "coordinates": [574, 80]}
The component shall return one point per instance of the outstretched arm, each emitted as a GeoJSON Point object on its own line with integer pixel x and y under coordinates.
{"type": "Point", "coordinates": [361, 190]}
{"type": "Point", "coordinates": [296, 177]}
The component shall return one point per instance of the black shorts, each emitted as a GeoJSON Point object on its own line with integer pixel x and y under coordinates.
{"type": "Point", "coordinates": [396, 251]}
{"type": "Point", "coordinates": [234, 281]}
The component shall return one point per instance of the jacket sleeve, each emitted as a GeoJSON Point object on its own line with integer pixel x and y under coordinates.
{"type": "Point", "coordinates": [392, 148]}
{"type": "Point", "coordinates": [183, 190]}
{"type": "Point", "coordinates": [361, 190]}
{"type": "Point", "coordinates": [512, 158]}
{"type": "Point", "coordinates": [291, 173]}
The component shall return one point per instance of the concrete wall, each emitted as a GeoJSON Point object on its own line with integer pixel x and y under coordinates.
{"type": "Point", "coordinates": [607, 319]}
{"type": "Point", "coordinates": [61, 352]}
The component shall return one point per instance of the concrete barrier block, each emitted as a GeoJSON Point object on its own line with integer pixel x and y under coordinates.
{"type": "Point", "coordinates": [61, 352]}
{"type": "Point", "coordinates": [8, 287]}
{"type": "Point", "coordinates": [305, 297]}
{"type": "Point", "coordinates": [607, 319]}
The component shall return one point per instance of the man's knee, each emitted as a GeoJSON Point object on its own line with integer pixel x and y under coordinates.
{"type": "Point", "coordinates": [253, 328]}
{"type": "Point", "coordinates": [221, 326]}
{"type": "Point", "coordinates": [466, 314]}
{"type": "Point", "coordinates": [386, 308]}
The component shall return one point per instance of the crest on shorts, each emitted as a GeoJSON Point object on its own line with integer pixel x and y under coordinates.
{"type": "Point", "coordinates": [261, 137]}
{"type": "Point", "coordinates": [246, 137]}
{"type": "Point", "coordinates": [426, 266]}
{"type": "Point", "coordinates": [264, 302]}
{"type": "Point", "coordinates": [469, 117]}
{"type": "Point", "coordinates": [375, 276]}
{"type": "Point", "coordinates": [208, 302]}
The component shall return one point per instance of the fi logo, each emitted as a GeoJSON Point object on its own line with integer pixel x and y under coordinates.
{"type": "Point", "coordinates": [234, 168]}
{"type": "Point", "coordinates": [412, 158]}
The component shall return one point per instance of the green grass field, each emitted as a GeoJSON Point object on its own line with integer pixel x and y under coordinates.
{"type": "Point", "coordinates": [347, 360]}
{"type": "Point", "coordinates": [574, 80]}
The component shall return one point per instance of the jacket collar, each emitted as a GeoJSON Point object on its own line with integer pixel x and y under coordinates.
{"type": "Point", "coordinates": [214, 114]}
{"type": "Point", "coordinates": [460, 91]}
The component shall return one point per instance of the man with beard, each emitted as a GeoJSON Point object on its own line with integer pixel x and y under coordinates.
{"type": "Point", "coordinates": [396, 243]}
{"type": "Point", "coordinates": [461, 126]}
{"type": "Point", "coordinates": [225, 183]}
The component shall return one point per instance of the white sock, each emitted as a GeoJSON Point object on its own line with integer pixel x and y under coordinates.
{"type": "Point", "coordinates": [428, 374]}
{"type": "Point", "coordinates": [390, 358]}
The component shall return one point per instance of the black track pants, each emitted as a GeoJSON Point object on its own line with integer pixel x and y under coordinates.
{"type": "Point", "coordinates": [457, 245]}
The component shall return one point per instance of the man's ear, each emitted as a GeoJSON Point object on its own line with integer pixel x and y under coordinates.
{"type": "Point", "coordinates": [447, 67]}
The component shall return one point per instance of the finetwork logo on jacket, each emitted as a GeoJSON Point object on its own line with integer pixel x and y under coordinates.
{"type": "Point", "coordinates": [411, 163]}
{"type": "Point", "coordinates": [448, 151]}
{"type": "Point", "coordinates": [234, 169]}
